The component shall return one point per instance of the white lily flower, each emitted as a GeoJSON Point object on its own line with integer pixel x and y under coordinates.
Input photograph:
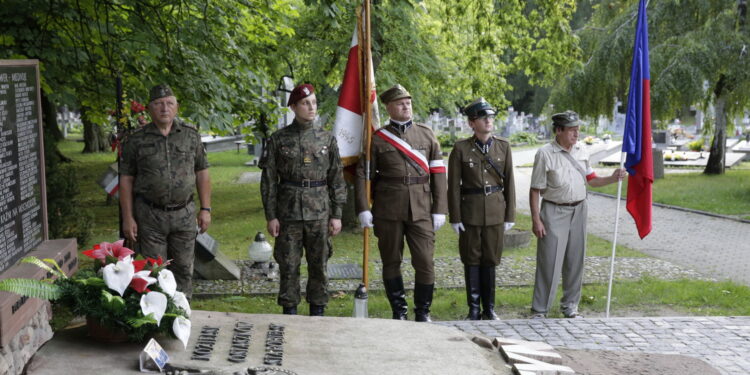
{"type": "Point", "coordinates": [145, 276]}
{"type": "Point", "coordinates": [117, 276]}
{"type": "Point", "coordinates": [154, 303]}
{"type": "Point", "coordinates": [181, 301]}
{"type": "Point", "coordinates": [167, 282]}
{"type": "Point", "coordinates": [181, 328]}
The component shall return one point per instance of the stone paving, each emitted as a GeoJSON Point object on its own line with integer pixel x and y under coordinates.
{"type": "Point", "coordinates": [723, 342]}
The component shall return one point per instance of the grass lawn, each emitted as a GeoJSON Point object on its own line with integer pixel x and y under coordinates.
{"type": "Point", "coordinates": [238, 215]}
{"type": "Point", "coordinates": [727, 194]}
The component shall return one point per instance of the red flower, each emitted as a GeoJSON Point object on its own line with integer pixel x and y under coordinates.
{"type": "Point", "coordinates": [139, 264]}
{"type": "Point", "coordinates": [136, 107]}
{"type": "Point", "coordinates": [105, 249]}
{"type": "Point", "coordinates": [139, 284]}
{"type": "Point", "coordinates": [158, 261]}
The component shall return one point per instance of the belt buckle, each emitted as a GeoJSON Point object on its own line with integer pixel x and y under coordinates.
{"type": "Point", "coordinates": [306, 183]}
{"type": "Point", "coordinates": [406, 180]}
{"type": "Point", "coordinates": [487, 189]}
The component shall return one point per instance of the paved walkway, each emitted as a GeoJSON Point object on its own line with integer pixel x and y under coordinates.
{"type": "Point", "coordinates": [723, 342]}
{"type": "Point", "coordinates": [717, 247]}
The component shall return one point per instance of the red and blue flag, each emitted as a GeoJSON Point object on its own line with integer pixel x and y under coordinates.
{"type": "Point", "coordinates": [637, 136]}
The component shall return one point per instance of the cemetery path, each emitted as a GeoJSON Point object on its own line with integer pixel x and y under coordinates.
{"type": "Point", "coordinates": [715, 246]}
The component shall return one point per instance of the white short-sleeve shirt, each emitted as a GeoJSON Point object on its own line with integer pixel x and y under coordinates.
{"type": "Point", "coordinates": [555, 175]}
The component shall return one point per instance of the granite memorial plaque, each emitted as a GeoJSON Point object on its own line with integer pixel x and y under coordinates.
{"type": "Point", "coordinates": [23, 211]}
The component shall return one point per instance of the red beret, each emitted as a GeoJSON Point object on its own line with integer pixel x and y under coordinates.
{"type": "Point", "coordinates": [300, 92]}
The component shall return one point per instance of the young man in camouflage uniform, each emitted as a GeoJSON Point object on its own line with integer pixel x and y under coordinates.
{"type": "Point", "coordinates": [162, 164]}
{"type": "Point", "coordinates": [303, 193]}
{"type": "Point", "coordinates": [481, 204]}
{"type": "Point", "coordinates": [409, 200]}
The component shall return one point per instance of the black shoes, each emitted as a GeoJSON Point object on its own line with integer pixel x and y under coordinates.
{"type": "Point", "coordinates": [290, 310]}
{"type": "Point", "coordinates": [394, 290]}
{"type": "Point", "coordinates": [471, 278]}
{"type": "Point", "coordinates": [423, 301]}
{"type": "Point", "coordinates": [487, 291]}
{"type": "Point", "coordinates": [317, 310]}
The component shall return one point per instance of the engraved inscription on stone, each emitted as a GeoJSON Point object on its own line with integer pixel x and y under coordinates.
{"type": "Point", "coordinates": [240, 342]}
{"type": "Point", "coordinates": [21, 217]}
{"type": "Point", "coordinates": [274, 345]}
{"type": "Point", "coordinates": [204, 346]}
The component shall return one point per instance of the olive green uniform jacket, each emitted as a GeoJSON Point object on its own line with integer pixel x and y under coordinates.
{"type": "Point", "coordinates": [468, 168]}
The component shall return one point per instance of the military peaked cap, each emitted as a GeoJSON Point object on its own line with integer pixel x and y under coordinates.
{"type": "Point", "coordinates": [566, 119]}
{"type": "Point", "coordinates": [478, 109]}
{"type": "Point", "coordinates": [159, 91]}
{"type": "Point", "coordinates": [394, 93]}
{"type": "Point", "coordinates": [300, 92]}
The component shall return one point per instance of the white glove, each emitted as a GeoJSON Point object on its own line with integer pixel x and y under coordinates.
{"type": "Point", "coordinates": [508, 226]}
{"type": "Point", "coordinates": [458, 227]}
{"type": "Point", "coordinates": [365, 219]}
{"type": "Point", "coordinates": [437, 221]}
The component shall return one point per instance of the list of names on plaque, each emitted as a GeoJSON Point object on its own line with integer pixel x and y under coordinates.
{"type": "Point", "coordinates": [21, 217]}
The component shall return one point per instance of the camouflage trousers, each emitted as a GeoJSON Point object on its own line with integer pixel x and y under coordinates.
{"type": "Point", "coordinates": [171, 235]}
{"type": "Point", "coordinates": [312, 235]}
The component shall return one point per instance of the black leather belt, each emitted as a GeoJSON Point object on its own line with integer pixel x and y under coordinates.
{"type": "Point", "coordinates": [305, 183]}
{"type": "Point", "coordinates": [168, 207]}
{"type": "Point", "coordinates": [486, 190]}
{"type": "Point", "coordinates": [406, 180]}
{"type": "Point", "coordinates": [573, 204]}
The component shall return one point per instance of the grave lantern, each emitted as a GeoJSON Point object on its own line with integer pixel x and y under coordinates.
{"type": "Point", "coordinates": [260, 250]}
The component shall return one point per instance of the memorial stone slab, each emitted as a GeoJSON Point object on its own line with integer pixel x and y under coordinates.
{"type": "Point", "coordinates": [228, 343]}
{"type": "Point", "coordinates": [23, 211]}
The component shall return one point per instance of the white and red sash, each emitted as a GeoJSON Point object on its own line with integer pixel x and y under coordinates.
{"type": "Point", "coordinates": [433, 166]}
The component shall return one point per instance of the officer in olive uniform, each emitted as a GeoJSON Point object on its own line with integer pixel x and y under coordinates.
{"type": "Point", "coordinates": [162, 164]}
{"type": "Point", "coordinates": [409, 200]}
{"type": "Point", "coordinates": [481, 204]}
{"type": "Point", "coordinates": [303, 193]}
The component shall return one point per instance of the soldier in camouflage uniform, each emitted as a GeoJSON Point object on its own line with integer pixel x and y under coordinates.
{"type": "Point", "coordinates": [303, 193]}
{"type": "Point", "coordinates": [409, 201]}
{"type": "Point", "coordinates": [162, 164]}
{"type": "Point", "coordinates": [481, 205]}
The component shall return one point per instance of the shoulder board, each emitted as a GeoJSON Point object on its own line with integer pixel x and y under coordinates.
{"type": "Point", "coordinates": [502, 139]}
{"type": "Point", "coordinates": [423, 125]}
{"type": "Point", "coordinates": [135, 131]}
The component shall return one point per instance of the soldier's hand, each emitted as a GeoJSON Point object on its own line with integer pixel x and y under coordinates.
{"type": "Point", "coordinates": [619, 174]}
{"type": "Point", "coordinates": [508, 225]}
{"type": "Point", "coordinates": [273, 227]}
{"type": "Point", "coordinates": [365, 219]}
{"type": "Point", "coordinates": [458, 227]}
{"type": "Point", "coordinates": [334, 226]}
{"type": "Point", "coordinates": [437, 221]}
{"type": "Point", "coordinates": [130, 229]}
{"type": "Point", "coordinates": [204, 220]}
{"type": "Point", "coordinates": [537, 227]}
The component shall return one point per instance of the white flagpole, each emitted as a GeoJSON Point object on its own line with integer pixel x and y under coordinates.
{"type": "Point", "coordinates": [614, 239]}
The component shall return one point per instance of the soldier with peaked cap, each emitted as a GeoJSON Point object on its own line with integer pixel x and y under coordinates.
{"type": "Point", "coordinates": [409, 200]}
{"type": "Point", "coordinates": [162, 164]}
{"type": "Point", "coordinates": [303, 192]}
{"type": "Point", "coordinates": [561, 172]}
{"type": "Point", "coordinates": [481, 205]}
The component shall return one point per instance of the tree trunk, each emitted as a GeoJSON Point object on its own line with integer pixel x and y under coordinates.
{"type": "Point", "coordinates": [49, 119]}
{"type": "Point", "coordinates": [716, 160]}
{"type": "Point", "coordinates": [94, 139]}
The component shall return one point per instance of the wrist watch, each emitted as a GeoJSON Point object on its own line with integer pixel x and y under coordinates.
{"type": "Point", "coordinates": [206, 209]}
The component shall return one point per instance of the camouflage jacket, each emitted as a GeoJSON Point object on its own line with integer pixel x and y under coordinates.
{"type": "Point", "coordinates": [302, 152]}
{"type": "Point", "coordinates": [468, 168]}
{"type": "Point", "coordinates": [164, 166]}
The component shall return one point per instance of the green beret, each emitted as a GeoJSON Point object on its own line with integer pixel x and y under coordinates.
{"type": "Point", "coordinates": [159, 91]}
{"type": "Point", "coordinates": [566, 119]}
{"type": "Point", "coordinates": [479, 109]}
{"type": "Point", "coordinates": [394, 93]}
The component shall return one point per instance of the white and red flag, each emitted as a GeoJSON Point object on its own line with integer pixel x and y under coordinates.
{"type": "Point", "coordinates": [349, 125]}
